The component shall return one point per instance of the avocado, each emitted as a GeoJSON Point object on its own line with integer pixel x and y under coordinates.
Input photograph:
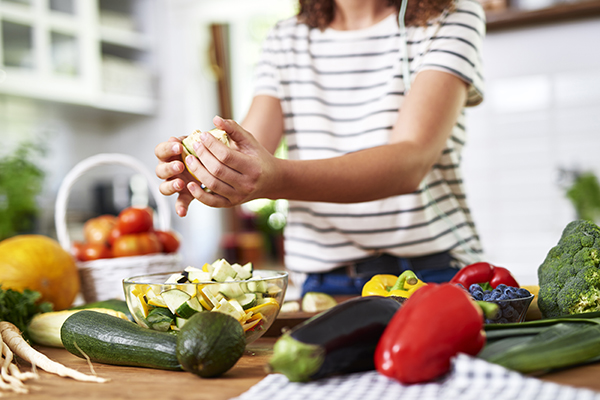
{"type": "Point", "coordinates": [210, 343]}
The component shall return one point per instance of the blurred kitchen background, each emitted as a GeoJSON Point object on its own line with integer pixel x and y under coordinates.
{"type": "Point", "coordinates": [83, 77]}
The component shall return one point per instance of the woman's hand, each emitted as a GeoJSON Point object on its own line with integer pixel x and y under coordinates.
{"type": "Point", "coordinates": [235, 175]}
{"type": "Point", "coordinates": [171, 169]}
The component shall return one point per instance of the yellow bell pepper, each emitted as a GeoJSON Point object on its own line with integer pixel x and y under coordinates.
{"type": "Point", "coordinates": [390, 285]}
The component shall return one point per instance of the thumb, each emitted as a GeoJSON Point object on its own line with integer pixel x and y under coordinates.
{"type": "Point", "coordinates": [235, 132]}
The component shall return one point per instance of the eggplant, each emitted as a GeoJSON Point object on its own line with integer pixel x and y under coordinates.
{"type": "Point", "coordinates": [338, 341]}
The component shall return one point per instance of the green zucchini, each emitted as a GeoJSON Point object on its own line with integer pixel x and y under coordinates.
{"type": "Point", "coordinates": [111, 340]}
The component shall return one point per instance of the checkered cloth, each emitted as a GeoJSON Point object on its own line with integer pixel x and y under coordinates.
{"type": "Point", "coordinates": [471, 379]}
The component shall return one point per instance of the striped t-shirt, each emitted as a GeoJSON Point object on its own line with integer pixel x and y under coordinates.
{"type": "Point", "coordinates": [340, 92]}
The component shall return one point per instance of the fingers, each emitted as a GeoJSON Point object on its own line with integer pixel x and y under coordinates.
{"type": "Point", "coordinates": [209, 198]}
{"type": "Point", "coordinates": [214, 178]}
{"type": "Point", "coordinates": [168, 170]}
{"type": "Point", "coordinates": [182, 203]}
{"type": "Point", "coordinates": [236, 133]}
{"type": "Point", "coordinates": [172, 186]}
{"type": "Point", "coordinates": [169, 150]}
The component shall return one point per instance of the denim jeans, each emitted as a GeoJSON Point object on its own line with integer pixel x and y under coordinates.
{"type": "Point", "coordinates": [350, 279]}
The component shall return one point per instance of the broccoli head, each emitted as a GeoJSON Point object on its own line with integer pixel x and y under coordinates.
{"type": "Point", "coordinates": [569, 277]}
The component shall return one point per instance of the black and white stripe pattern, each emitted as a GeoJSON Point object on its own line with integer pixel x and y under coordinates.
{"type": "Point", "coordinates": [470, 379]}
{"type": "Point", "coordinates": [340, 92]}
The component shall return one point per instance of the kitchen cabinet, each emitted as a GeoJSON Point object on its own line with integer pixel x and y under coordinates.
{"type": "Point", "coordinates": [512, 17]}
{"type": "Point", "coordinates": [97, 53]}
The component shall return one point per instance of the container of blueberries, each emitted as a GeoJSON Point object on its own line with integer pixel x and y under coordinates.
{"type": "Point", "coordinates": [512, 302]}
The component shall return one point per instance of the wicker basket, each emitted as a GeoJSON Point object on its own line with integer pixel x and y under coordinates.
{"type": "Point", "coordinates": [103, 279]}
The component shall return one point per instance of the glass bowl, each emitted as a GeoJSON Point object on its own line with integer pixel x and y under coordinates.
{"type": "Point", "coordinates": [162, 306]}
{"type": "Point", "coordinates": [510, 310]}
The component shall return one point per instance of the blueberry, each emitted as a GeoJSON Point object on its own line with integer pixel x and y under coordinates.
{"type": "Point", "coordinates": [475, 288]}
{"type": "Point", "coordinates": [519, 306]}
{"type": "Point", "coordinates": [510, 313]}
{"type": "Point", "coordinates": [495, 294]}
{"type": "Point", "coordinates": [477, 296]}
{"type": "Point", "coordinates": [521, 292]}
{"type": "Point", "coordinates": [501, 287]}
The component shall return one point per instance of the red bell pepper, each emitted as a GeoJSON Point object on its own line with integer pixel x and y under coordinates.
{"type": "Point", "coordinates": [484, 273]}
{"type": "Point", "coordinates": [434, 324]}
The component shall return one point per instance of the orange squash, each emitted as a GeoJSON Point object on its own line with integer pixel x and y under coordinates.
{"type": "Point", "coordinates": [39, 263]}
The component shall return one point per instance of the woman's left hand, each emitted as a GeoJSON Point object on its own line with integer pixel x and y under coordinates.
{"type": "Point", "coordinates": [235, 175]}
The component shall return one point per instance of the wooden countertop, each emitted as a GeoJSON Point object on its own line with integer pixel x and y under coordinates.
{"type": "Point", "coordinates": [145, 383]}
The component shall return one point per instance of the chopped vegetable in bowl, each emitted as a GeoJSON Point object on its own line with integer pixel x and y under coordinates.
{"type": "Point", "coordinates": [165, 301]}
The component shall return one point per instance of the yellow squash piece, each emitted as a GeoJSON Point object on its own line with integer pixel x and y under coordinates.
{"type": "Point", "coordinates": [44, 329]}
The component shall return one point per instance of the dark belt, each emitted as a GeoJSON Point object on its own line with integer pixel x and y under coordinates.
{"type": "Point", "coordinates": [389, 264]}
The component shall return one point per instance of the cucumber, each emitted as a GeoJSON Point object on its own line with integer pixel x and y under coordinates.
{"type": "Point", "coordinates": [231, 290]}
{"type": "Point", "coordinates": [247, 300]}
{"type": "Point", "coordinates": [242, 273]}
{"type": "Point", "coordinates": [198, 275]}
{"type": "Point", "coordinates": [189, 308]}
{"type": "Point", "coordinates": [174, 298]}
{"type": "Point", "coordinates": [111, 340]}
{"type": "Point", "coordinates": [254, 285]}
{"type": "Point", "coordinates": [222, 270]}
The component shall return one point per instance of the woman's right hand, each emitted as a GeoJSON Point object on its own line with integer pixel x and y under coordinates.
{"type": "Point", "coordinates": [171, 169]}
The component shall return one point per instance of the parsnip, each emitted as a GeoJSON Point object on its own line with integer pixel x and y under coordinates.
{"type": "Point", "coordinates": [15, 342]}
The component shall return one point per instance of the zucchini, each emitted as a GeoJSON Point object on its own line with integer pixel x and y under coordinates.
{"type": "Point", "coordinates": [174, 298]}
{"type": "Point", "coordinates": [44, 329]}
{"type": "Point", "coordinates": [189, 308]}
{"type": "Point", "coordinates": [222, 270]}
{"type": "Point", "coordinates": [337, 341]}
{"type": "Point", "coordinates": [110, 340]}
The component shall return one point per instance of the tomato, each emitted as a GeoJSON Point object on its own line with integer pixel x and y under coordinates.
{"type": "Point", "coordinates": [136, 244]}
{"type": "Point", "coordinates": [92, 251]}
{"type": "Point", "coordinates": [135, 220]}
{"type": "Point", "coordinates": [169, 240]}
{"type": "Point", "coordinates": [114, 234]}
{"type": "Point", "coordinates": [76, 249]}
{"type": "Point", "coordinates": [97, 230]}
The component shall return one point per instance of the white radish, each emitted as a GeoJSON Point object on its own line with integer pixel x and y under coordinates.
{"type": "Point", "coordinates": [12, 337]}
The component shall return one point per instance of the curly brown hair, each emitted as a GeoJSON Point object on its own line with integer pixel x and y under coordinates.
{"type": "Point", "coordinates": [319, 13]}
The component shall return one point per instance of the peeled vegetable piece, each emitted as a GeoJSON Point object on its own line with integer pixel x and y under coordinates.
{"type": "Point", "coordinates": [188, 143]}
{"type": "Point", "coordinates": [210, 343]}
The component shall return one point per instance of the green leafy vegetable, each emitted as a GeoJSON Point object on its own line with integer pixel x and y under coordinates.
{"type": "Point", "coordinates": [20, 307]}
{"type": "Point", "coordinates": [569, 277]}
{"type": "Point", "coordinates": [585, 196]}
{"type": "Point", "coordinates": [21, 181]}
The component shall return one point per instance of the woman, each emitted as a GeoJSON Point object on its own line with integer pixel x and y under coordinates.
{"type": "Point", "coordinates": [373, 173]}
